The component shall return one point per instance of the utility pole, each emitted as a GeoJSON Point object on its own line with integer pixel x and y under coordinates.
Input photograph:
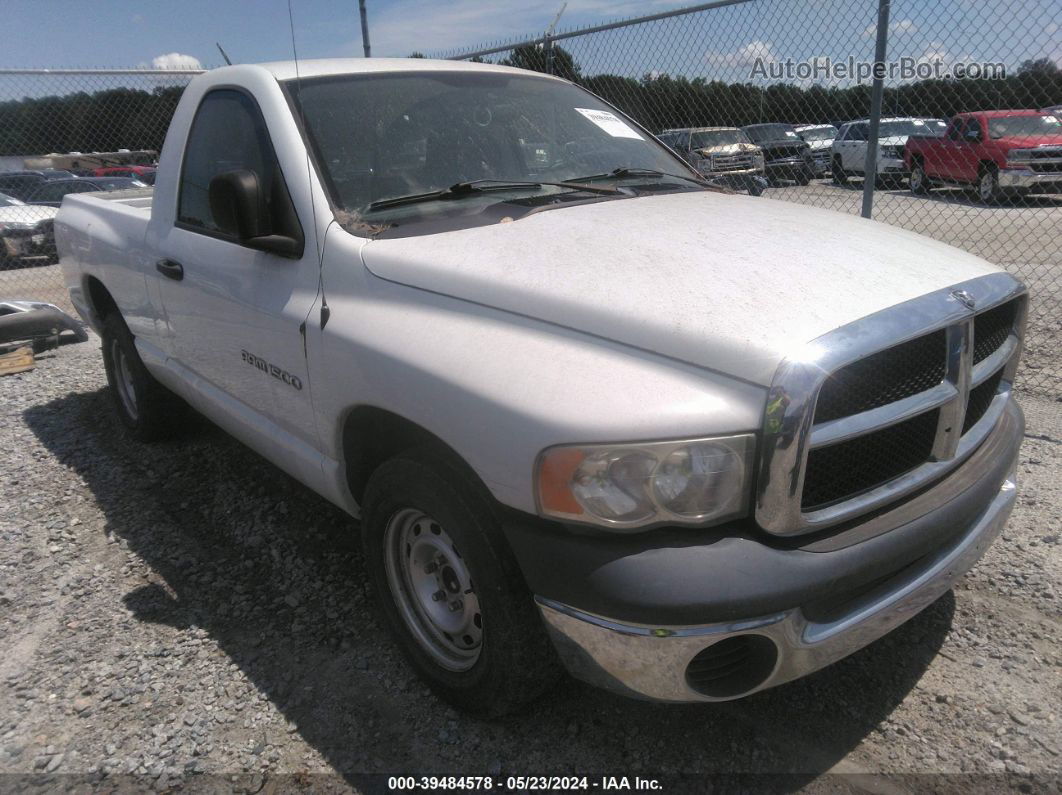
{"type": "Point", "coordinates": [870, 165]}
{"type": "Point", "coordinates": [364, 29]}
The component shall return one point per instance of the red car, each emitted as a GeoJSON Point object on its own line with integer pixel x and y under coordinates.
{"type": "Point", "coordinates": [145, 174]}
{"type": "Point", "coordinates": [1000, 151]}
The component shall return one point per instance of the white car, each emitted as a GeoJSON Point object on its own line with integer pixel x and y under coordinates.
{"type": "Point", "coordinates": [849, 148]}
{"type": "Point", "coordinates": [591, 411]}
{"type": "Point", "coordinates": [25, 230]}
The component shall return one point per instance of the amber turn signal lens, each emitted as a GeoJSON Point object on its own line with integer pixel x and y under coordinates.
{"type": "Point", "coordinates": [554, 481]}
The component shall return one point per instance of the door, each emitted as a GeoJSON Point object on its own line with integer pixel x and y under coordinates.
{"type": "Point", "coordinates": [967, 151]}
{"type": "Point", "coordinates": [946, 164]}
{"type": "Point", "coordinates": [234, 314]}
{"type": "Point", "coordinates": [854, 149]}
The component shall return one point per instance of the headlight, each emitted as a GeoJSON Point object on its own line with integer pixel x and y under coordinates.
{"type": "Point", "coordinates": [629, 486]}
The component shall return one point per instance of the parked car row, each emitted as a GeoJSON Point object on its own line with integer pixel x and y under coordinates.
{"type": "Point", "coordinates": [23, 184]}
{"type": "Point", "coordinates": [28, 204]}
{"type": "Point", "coordinates": [1001, 152]}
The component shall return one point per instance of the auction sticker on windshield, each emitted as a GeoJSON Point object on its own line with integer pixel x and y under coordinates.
{"type": "Point", "coordinates": [610, 123]}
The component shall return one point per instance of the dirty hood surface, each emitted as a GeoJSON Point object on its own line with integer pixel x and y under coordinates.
{"type": "Point", "coordinates": [726, 282]}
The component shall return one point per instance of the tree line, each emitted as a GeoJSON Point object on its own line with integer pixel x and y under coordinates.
{"type": "Point", "coordinates": [130, 118]}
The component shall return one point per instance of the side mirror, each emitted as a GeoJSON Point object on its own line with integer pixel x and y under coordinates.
{"type": "Point", "coordinates": [239, 209]}
{"type": "Point", "coordinates": [973, 135]}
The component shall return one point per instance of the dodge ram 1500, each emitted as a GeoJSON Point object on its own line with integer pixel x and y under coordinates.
{"type": "Point", "coordinates": [591, 412]}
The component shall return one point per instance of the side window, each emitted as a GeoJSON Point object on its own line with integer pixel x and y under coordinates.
{"type": "Point", "coordinates": [228, 133]}
{"type": "Point", "coordinates": [858, 132]}
{"type": "Point", "coordinates": [973, 126]}
{"type": "Point", "coordinates": [955, 130]}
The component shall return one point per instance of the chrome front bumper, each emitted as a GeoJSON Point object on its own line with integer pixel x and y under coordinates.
{"type": "Point", "coordinates": [1027, 178]}
{"type": "Point", "coordinates": [651, 662]}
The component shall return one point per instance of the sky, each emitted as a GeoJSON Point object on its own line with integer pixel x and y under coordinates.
{"type": "Point", "coordinates": [723, 43]}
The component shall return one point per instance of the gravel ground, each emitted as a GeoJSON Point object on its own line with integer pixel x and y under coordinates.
{"type": "Point", "coordinates": [177, 612]}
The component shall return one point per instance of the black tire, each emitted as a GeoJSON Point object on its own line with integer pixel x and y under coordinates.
{"type": "Point", "coordinates": [918, 182]}
{"type": "Point", "coordinates": [155, 412]}
{"type": "Point", "coordinates": [988, 185]}
{"type": "Point", "coordinates": [837, 172]}
{"type": "Point", "coordinates": [755, 189]}
{"type": "Point", "coordinates": [515, 661]}
{"type": "Point", "coordinates": [803, 177]}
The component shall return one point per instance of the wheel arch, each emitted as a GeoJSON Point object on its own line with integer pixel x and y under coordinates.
{"type": "Point", "coordinates": [101, 303]}
{"type": "Point", "coordinates": [371, 435]}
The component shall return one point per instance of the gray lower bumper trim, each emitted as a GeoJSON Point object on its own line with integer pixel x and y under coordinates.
{"type": "Point", "coordinates": [650, 662]}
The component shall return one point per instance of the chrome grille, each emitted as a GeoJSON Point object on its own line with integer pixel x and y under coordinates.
{"type": "Point", "coordinates": [843, 470]}
{"type": "Point", "coordinates": [884, 377]}
{"type": "Point", "coordinates": [731, 162]}
{"type": "Point", "coordinates": [851, 424]}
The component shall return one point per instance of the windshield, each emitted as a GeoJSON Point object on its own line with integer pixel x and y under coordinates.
{"type": "Point", "coordinates": [907, 127]}
{"type": "Point", "coordinates": [1008, 126]}
{"type": "Point", "coordinates": [818, 133]}
{"type": "Point", "coordinates": [771, 132]}
{"type": "Point", "coordinates": [706, 139]}
{"type": "Point", "coordinates": [9, 201]}
{"type": "Point", "coordinates": [382, 136]}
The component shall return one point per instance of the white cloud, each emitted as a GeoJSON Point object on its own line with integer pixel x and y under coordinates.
{"type": "Point", "coordinates": [175, 60]}
{"type": "Point", "coordinates": [747, 55]}
{"type": "Point", "coordinates": [899, 26]}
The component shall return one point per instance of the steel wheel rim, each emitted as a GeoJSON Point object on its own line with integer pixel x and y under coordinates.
{"type": "Point", "coordinates": [123, 379]}
{"type": "Point", "coordinates": [986, 186]}
{"type": "Point", "coordinates": [433, 589]}
{"type": "Point", "coordinates": [916, 178]}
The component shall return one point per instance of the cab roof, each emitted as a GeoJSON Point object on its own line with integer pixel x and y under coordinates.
{"type": "Point", "coordinates": [326, 67]}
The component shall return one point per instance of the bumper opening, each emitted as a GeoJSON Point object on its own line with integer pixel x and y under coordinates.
{"type": "Point", "coordinates": [732, 667]}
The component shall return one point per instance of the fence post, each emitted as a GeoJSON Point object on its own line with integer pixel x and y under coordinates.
{"type": "Point", "coordinates": [870, 165]}
{"type": "Point", "coordinates": [547, 51]}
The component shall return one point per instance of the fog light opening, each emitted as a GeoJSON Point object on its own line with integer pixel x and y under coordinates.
{"type": "Point", "coordinates": [732, 667]}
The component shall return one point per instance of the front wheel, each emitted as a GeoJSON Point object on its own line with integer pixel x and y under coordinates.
{"type": "Point", "coordinates": [988, 186]}
{"type": "Point", "coordinates": [837, 172]}
{"type": "Point", "coordinates": [803, 177]}
{"type": "Point", "coordinates": [918, 181]}
{"type": "Point", "coordinates": [449, 588]}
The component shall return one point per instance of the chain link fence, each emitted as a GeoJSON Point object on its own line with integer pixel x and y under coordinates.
{"type": "Point", "coordinates": [786, 90]}
{"type": "Point", "coordinates": [771, 95]}
{"type": "Point", "coordinates": [65, 131]}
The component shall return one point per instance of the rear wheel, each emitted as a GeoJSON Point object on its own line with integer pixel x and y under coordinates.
{"type": "Point", "coordinates": [837, 172]}
{"type": "Point", "coordinates": [146, 408]}
{"type": "Point", "coordinates": [449, 588]}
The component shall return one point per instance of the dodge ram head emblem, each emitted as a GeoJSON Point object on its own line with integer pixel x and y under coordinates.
{"type": "Point", "coordinates": [964, 298]}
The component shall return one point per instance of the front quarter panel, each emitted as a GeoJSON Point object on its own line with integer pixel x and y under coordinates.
{"type": "Point", "coordinates": [498, 387]}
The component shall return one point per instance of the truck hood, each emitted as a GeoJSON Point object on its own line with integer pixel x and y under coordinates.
{"type": "Point", "coordinates": [726, 282]}
{"type": "Point", "coordinates": [26, 214]}
{"type": "Point", "coordinates": [727, 149]}
{"type": "Point", "coordinates": [1028, 141]}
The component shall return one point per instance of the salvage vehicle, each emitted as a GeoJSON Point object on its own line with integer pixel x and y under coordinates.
{"type": "Point", "coordinates": [849, 149]}
{"type": "Point", "coordinates": [590, 411]}
{"type": "Point", "coordinates": [786, 156]}
{"type": "Point", "coordinates": [1000, 152]}
{"type": "Point", "coordinates": [820, 138]}
{"type": "Point", "coordinates": [26, 232]}
{"type": "Point", "coordinates": [723, 155]}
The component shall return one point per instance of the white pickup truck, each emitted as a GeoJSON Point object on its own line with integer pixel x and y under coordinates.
{"type": "Point", "coordinates": [591, 412]}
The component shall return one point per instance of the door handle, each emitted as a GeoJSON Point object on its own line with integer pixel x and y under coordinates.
{"type": "Point", "coordinates": [170, 269]}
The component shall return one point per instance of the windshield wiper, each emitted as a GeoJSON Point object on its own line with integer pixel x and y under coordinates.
{"type": "Point", "coordinates": [476, 186]}
{"type": "Point", "coordinates": [623, 173]}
